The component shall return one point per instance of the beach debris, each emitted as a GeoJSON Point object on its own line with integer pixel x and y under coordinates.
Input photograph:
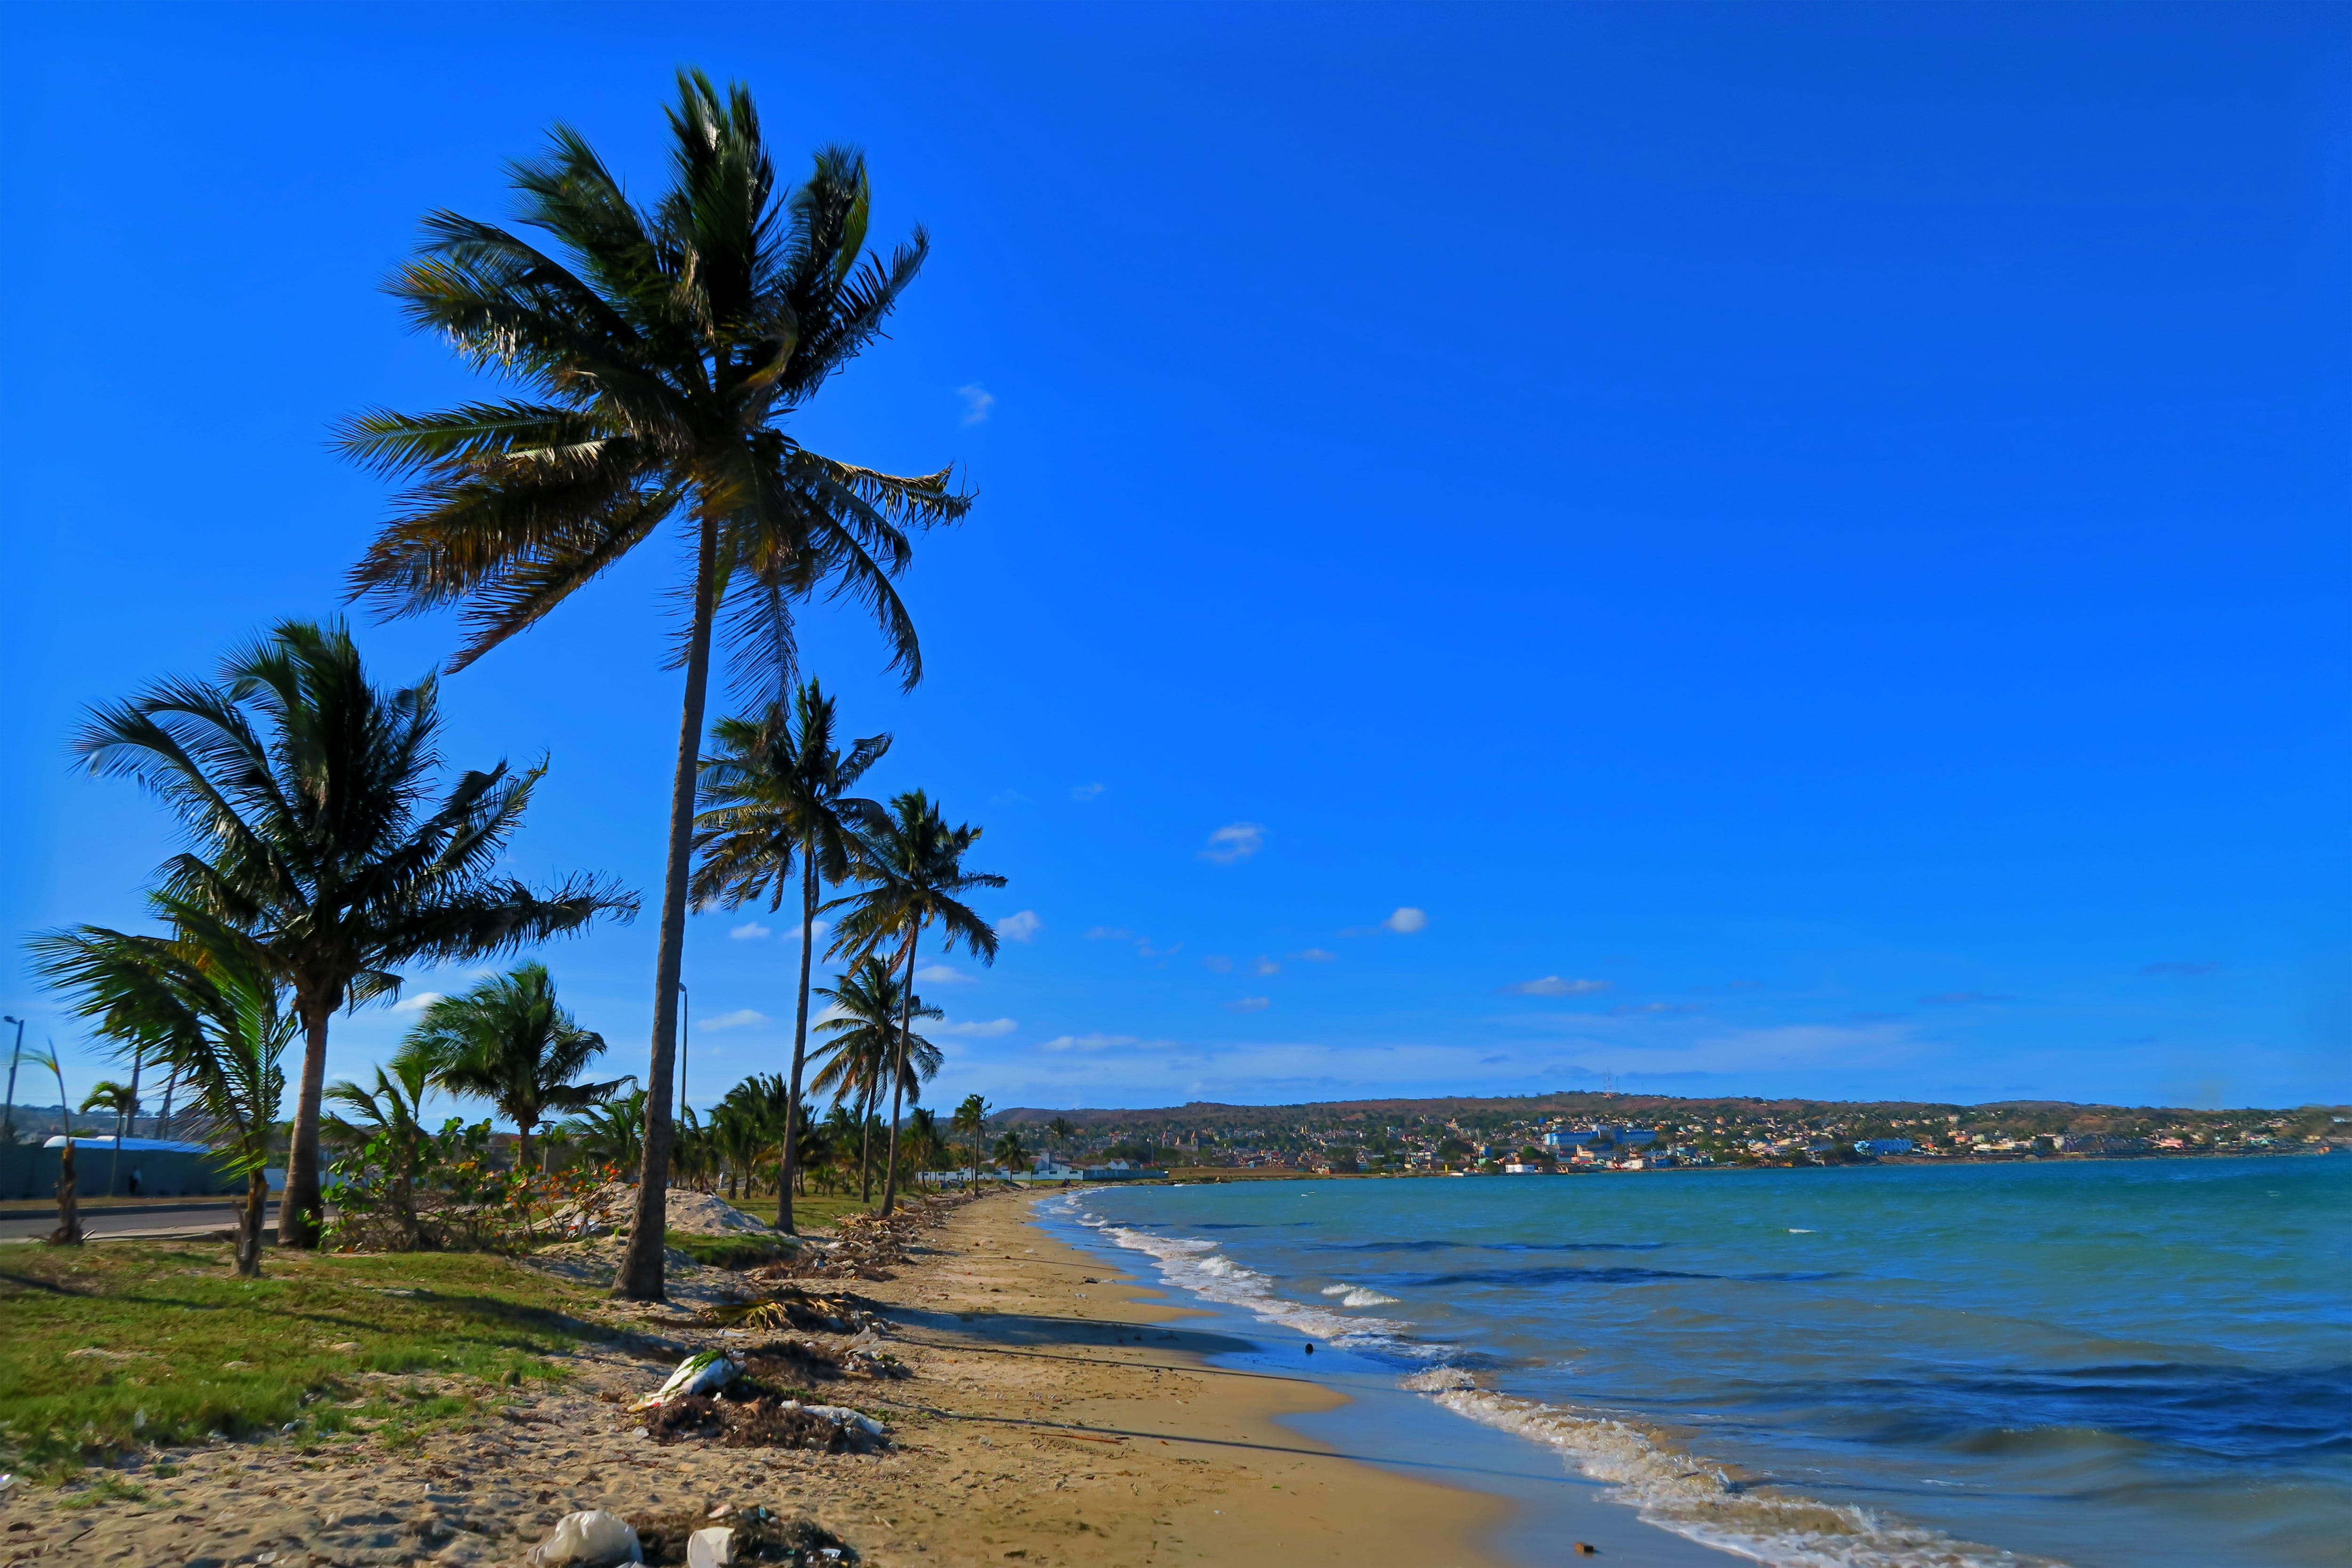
{"type": "Point", "coordinates": [705, 1372]}
{"type": "Point", "coordinates": [1586, 1549]}
{"type": "Point", "coordinates": [765, 1421]}
{"type": "Point", "coordinates": [590, 1538]}
{"type": "Point", "coordinates": [750, 1535]}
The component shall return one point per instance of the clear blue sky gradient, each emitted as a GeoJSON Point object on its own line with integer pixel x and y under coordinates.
{"type": "Point", "coordinates": [1816, 535]}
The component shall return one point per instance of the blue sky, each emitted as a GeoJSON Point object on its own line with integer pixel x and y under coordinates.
{"type": "Point", "coordinates": [1808, 545]}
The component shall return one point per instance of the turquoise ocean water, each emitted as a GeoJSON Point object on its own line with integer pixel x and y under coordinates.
{"type": "Point", "coordinates": [2089, 1363]}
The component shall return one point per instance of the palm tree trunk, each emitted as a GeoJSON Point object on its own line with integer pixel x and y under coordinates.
{"type": "Point", "coordinates": [898, 1069]}
{"type": "Point", "coordinates": [297, 1212]}
{"type": "Point", "coordinates": [164, 1122]}
{"type": "Point", "coordinates": [640, 1275]}
{"type": "Point", "coordinates": [800, 1044]}
{"type": "Point", "coordinates": [523, 1146]}
{"type": "Point", "coordinates": [248, 1224]}
{"type": "Point", "coordinates": [864, 1138]}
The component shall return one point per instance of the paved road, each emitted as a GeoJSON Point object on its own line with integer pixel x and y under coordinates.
{"type": "Point", "coordinates": [187, 1217]}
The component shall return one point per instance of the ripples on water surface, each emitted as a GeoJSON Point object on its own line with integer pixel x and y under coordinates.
{"type": "Point", "coordinates": [2095, 1362]}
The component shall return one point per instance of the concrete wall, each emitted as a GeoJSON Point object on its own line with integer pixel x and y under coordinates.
{"type": "Point", "coordinates": [26, 1172]}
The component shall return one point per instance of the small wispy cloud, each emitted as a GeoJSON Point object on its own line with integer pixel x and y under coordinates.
{"type": "Point", "coordinates": [1217, 963]}
{"type": "Point", "coordinates": [1086, 1042]}
{"type": "Point", "coordinates": [1315, 955]}
{"type": "Point", "coordinates": [974, 1028]}
{"type": "Point", "coordinates": [1234, 841]}
{"type": "Point", "coordinates": [1407, 921]}
{"type": "Point", "coordinates": [1249, 1003]}
{"type": "Point", "coordinates": [1265, 966]}
{"type": "Point", "coordinates": [1958, 998]}
{"type": "Point", "coordinates": [2178, 966]}
{"type": "Point", "coordinates": [416, 1004]}
{"type": "Point", "coordinates": [1144, 949]}
{"type": "Point", "coordinates": [941, 975]}
{"type": "Point", "coordinates": [1108, 934]}
{"type": "Point", "coordinates": [1008, 798]}
{"type": "Point", "coordinates": [1553, 986]}
{"type": "Point", "coordinates": [1652, 1009]}
{"type": "Point", "coordinates": [740, 1019]}
{"type": "Point", "coordinates": [1086, 794]}
{"type": "Point", "coordinates": [1020, 927]}
{"type": "Point", "coordinates": [977, 401]}
{"type": "Point", "coordinates": [749, 930]}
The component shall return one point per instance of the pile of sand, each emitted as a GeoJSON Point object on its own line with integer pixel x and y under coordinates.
{"type": "Point", "coordinates": [612, 1206]}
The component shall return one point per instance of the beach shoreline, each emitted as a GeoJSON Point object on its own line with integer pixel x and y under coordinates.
{"type": "Point", "coordinates": [1059, 1412]}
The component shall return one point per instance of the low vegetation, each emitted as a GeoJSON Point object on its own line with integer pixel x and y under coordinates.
{"type": "Point", "coordinates": [132, 1343]}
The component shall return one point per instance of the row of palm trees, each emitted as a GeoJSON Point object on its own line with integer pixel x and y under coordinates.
{"type": "Point", "coordinates": [652, 356]}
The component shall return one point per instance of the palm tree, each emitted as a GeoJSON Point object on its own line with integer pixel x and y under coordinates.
{"type": "Point", "coordinates": [393, 1110]}
{"type": "Point", "coordinates": [123, 1100]}
{"type": "Point", "coordinates": [913, 866]}
{"type": "Point", "coordinates": [925, 1146]}
{"type": "Point", "coordinates": [69, 1230]}
{"type": "Point", "coordinates": [659, 351]}
{"type": "Point", "coordinates": [613, 1132]}
{"type": "Point", "coordinates": [1061, 1129]}
{"type": "Point", "coordinates": [971, 1119]}
{"type": "Point", "coordinates": [206, 999]}
{"type": "Point", "coordinates": [1009, 1151]}
{"type": "Point", "coordinates": [511, 1042]}
{"type": "Point", "coordinates": [305, 782]}
{"type": "Point", "coordinates": [857, 1062]}
{"type": "Point", "coordinates": [775, 794]}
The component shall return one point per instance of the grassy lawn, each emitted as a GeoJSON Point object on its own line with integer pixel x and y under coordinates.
{"type": "Point", "coordinates": [131, 1341]}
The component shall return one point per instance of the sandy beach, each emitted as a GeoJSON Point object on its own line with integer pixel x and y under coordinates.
{"type": "Point", "coordinates": [1056, 1413]}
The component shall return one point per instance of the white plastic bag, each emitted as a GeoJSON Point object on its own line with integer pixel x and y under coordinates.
{"type": "Point", "coordinates": [843, 1415]}
{"type": "Point", "coordinates": [703, 1373]}
{"type": "Point", "coordinates": [594, 1538]}
{"type": "Point", "coordinates": [712, 1548]}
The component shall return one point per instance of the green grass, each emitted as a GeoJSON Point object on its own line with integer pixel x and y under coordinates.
{"type": "Point", "coordinates": [445, 1332]}
{"type": "Point", "coordinates": [740, 1250]}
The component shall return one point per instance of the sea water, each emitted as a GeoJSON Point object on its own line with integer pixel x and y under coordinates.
{"type": "Point", "coordinates": [2087, 1363]}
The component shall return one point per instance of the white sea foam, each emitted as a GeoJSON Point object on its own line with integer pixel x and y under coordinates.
{"type": "Point", "coordinates": [1359, 1295]}
{"type": "Point", "coordinates": [1190, 1263]}
{"type": "Point", "coordinates": [1693, 1498]}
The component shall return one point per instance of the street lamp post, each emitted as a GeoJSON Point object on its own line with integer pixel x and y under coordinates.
{"type": "Point", "coordinates": [8, 1123]}
{"type": "Point", "coordinates": [685, 1040]}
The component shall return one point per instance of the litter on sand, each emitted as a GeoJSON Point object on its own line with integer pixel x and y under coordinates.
{"type": "Point", "coordinates": [592, 1539]}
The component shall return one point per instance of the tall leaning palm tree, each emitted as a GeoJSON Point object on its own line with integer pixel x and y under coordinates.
{"type": "Point", "coordinates": [305, 789]}
{"type": "Point", "coordinates": [511, 1042]}
{"type": "Point", "coordinates": [912, 865]}
{"type": "Point", "coordinates": [869, 1035]}
{"type": "Point", "coordinates": [775, 798]}
{"type": "Point", "coordinates": [656, 353]}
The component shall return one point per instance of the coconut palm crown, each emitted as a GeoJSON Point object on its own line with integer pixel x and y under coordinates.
{"type": "Point", "coordinates": [775, 798]}
{"type": "Point", "coordinates": [307, 789]}
{"type": "Point", "coordinates": [654, 353]}
{"type": "Point", "coordinates": [511, 1042]}
{"type": "Point", "coordinates": [912, 865]}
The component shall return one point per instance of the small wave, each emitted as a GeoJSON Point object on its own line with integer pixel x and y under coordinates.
{"type": "Point", "coordinates": [1695, 1498]}
{"type": "Point", "coordinates": [1193, 1263]}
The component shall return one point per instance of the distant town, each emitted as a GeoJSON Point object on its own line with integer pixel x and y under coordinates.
{"type": "Point", "coordinates": [1603, 1132]}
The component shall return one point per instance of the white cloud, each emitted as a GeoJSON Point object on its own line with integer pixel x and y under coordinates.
{"type": "Point", "coordinates": [815, 928]}
{"type": "Point", "coordinates": [1234, 841]}
{"type": "Point", "coordinates": [940, 974]}
{"type": "Point", "coordinates": [735, 1020]}
{"type": "Point", "coordinates": [1020, 927]}
{"type": "Point", "coordinates": [1406, 920]}
{"type": "Point", "coordinates": [977, 401]}
{"type": "Point", "coordinates": [1265, 966]}
{"type": "Point", "coordinates": [1108, 934]}
{"type": "Point", "coordinates": [1553, 986]}
{"type": "Point", "coordinates": [1315, 955]}
{"type": "Point", "coordinates": [749, 930]}
{"type": "Point", "coordinates": [1250, 1003]}
{"type": "Point", "coordinates": [1087, 1042]}
{"type": "Point", "coordinates": [1085, 792]}
{"type": "Point", "coordinates": [974, 1028]}
{"type": "Point", "coordinates": [1217, 963]}
{"type": "Point", "coordinates": [416, 1004]}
